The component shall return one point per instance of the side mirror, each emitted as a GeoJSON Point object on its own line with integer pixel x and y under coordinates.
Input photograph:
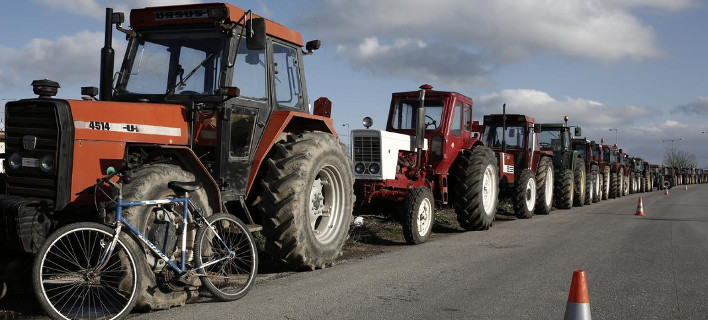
{"type": "Point", "coordinates": [255, 34]}
{"type": "Point", "coordinates": [537, 128]}
{"type": "Point", "coordinates": [313, 45]}
{"type": "Point", "coordinates": [578, 131]}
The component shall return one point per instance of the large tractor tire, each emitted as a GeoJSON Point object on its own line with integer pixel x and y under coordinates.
{"type": "Point", "coordinates": [632, 183]}
{"type": "Point", "coordinates": [150, 183]}
{"type": "Point", "coordinates": [597, 179]}
{"type": "Point", "coordinates": [544, 186]}
{"type": "Point", "coordinates": [418, 215]}
{"type": "Point", "coordinates": [306, 200]}
{"type": "Point", "coordinates": [525, 194]}
{"type": "Point", "coordinates": [563, 190]}
{"type": "Point", "coordinates": [606, 183]}
{"type": "Point", "coordinates": [475, 188]}
{"type": "Point", "coordinates": [614, 185]}
{"type": "Point", "coordinates": [579, 181]}
{"type": "Point", "coordinates": [589, 188]}
{"type": "Point", "coordinates": [625, 185]}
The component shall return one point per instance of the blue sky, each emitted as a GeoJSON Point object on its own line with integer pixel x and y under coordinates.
{"type": "Point", "coordinates": [635, 65]}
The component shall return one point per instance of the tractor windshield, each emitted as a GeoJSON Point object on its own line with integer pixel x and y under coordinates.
{"type": "Point", "coordinates": [173, 61]}
{"type": "Point", "coordinates": [581, 148]}
{"type": "Point", "coordinates": [404, 114]}
{"type": "Point", "coordinates": [514, 136]}
{"type": "Point", "coordinates": [553, 140]}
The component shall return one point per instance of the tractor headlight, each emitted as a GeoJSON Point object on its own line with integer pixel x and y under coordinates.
{"type": "Point", "coordinates": [359, 168]}
{"type": "Point", "coordinates": [46, 163]}
{"type": "Point", "coordinates": [374, 168]}
{"type": "Point", "coordinates": [15, 161]}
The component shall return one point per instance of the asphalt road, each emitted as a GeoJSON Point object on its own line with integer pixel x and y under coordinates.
{"type": "Point", "coordinates": [651, 267]}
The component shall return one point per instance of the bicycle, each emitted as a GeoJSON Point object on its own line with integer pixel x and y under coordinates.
{"type": "Point", "coordinates": [90, 270]}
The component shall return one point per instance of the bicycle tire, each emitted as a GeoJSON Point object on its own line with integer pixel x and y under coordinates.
{"type": "Point", "coordinates": [239, 271]}
{"type": "Point", "coordinates": [63, 278]}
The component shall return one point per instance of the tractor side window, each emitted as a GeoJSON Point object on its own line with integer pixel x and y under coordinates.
{"type": "Point", "coordinates": [468, 118]}
{"type": "Point", "coordinates": [404, 114]}
{"type": "Point", "coordinates": [287, 76]}
{"type": "Point", "coordinates": [242, 125]}
{"type": "Point", "coordinates": [456, 127]}
{"type": "Point", "coordinates": [250, 72]}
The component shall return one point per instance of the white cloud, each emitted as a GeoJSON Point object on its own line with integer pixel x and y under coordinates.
{"type": "Point", "coordinates": [493, 32]}
{"type": "Point", "coordinates": [694, 108]}
{"type": "Point", "coordinates": [97, 9]}
{"type": "Point", "coordinates": [71, 60]}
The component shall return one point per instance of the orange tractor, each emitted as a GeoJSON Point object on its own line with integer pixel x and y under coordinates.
{"type": "Point", "coordinates": [205, 92]}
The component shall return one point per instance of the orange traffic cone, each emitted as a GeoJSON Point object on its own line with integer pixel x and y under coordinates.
{"type": "Point", "coordinates": [640, 208]}
{"type": "Point", "coordinates": [578, 307]}
{"type": "Point", "coordinates": [666, 191]}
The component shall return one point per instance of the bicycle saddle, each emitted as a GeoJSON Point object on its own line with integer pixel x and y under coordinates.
{"type": "Point", "coordinates": [179, 186]}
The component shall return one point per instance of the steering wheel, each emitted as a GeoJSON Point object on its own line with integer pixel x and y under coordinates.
{"type": "Point", "coordinates": [433, 122]}
{"type": "Point", "coordinates": [545, 145]}
{"type": "Point", "coordinates": [189, 93]}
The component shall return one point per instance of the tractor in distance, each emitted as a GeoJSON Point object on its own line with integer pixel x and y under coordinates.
{"type": "Point", "coordinates": [657, 176]}
{"type": "Point", "coordinates": [626, 183]}
{"type": "Point", "coordinates": [604, 170]}
{"type": "Point", "coordinates": [526, 175]}
{"type": "Point", "coordinates": [636, 174]}
{"type": "Point", "coordinates": [592, 169]}
{"type": "Point", "coordinates": [430, 152]}
{"type": "Point", "coordinates": [569, 169]}
{"type": "Point", "coordinates": [613, 158]}
{"type": "Point", "coordinates": [648, 183]}
{"type": "Point", "coordinates": [206, 92]}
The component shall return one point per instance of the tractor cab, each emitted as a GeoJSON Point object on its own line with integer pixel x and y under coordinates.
{"type": "Point", "coordinates": [517, 142]}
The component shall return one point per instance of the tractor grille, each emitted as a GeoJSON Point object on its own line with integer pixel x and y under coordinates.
{"type": "Point", "coordinates": [367, 149]}
{"type": "Point", "coordinates": [48, 121]}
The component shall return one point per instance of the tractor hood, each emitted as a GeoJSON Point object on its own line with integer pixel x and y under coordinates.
{"type": "Point", "coordinates": [375, 152]}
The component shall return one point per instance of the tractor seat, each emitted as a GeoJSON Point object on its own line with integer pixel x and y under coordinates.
{"type": "Point", "coordinates": [179, 186]}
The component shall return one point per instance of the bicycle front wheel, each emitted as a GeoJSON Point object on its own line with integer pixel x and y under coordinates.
{"type": "Point", "coordinates": [226, 256]}
{"type": "Point", "coordinates": [69, 282]}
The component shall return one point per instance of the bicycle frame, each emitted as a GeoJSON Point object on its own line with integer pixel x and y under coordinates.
{"type": "Point", "coordinates": [187, 204]}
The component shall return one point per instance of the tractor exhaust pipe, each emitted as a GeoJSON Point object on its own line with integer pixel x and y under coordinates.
{"type": "Point", "coordinates": [420, 127]}
{"type": "Point", "coordinates": [504, 128]}
{"type": "Point", "coordinates": [107, 60]}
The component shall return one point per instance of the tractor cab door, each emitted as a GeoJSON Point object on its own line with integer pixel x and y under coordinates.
{"type": "Point", "coordinates": [243, 118]}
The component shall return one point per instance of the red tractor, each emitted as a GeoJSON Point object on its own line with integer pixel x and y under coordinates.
{"type": "Point", "coordinates": [615, 159]}
{"type": "Point", "coordinates": [206, 92]}
{"type": "Point", "coordinates": [526, 172]}
{"type": "Point", "coordinates": [593, 180]}
{"type": "Point", "coordinates": [598, 156]}
{"type": "Point", "coordinates": [430, 152]}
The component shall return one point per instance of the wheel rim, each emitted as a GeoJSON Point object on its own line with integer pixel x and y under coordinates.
{"type": "Point", "coordinates": [488, 184]}
{"type": "Point", "coordinates": [326, 205]}
{"type": "Point", "coordinates": [549, 187]}
{"type": "Point", "coordinates": [64, 268]}
{"type": "Point", "coordinates": [424, 217]}
{"type": "Point", "coordinates": [530, 194]}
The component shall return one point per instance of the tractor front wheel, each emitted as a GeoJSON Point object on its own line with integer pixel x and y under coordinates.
{"type": "Point", "coordinates": [544, 183]}
{"type": "Point", "coordinates": [606, 183]}
{"type": "Point", "coordinates": [525, 198]}
{"type": "Point", "coordinates": [307, 199]}
{"type": "Point", "coordinates": [418, 215]}
{"type": "Point", "coordinates": [579, 183]}
{"type": "Point", "coordinates": [564, 190]}
{"type": "Point", "coordinates": [597, 190]}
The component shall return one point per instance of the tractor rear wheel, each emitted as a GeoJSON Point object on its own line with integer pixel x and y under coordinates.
{"type": "Point", "coordinates": [306, 199]}
{"type": "Point", "coordinates": [596, 190]}
{"type": "Point", "coordinates": [149, 182]}
{"type": "Point", "coordinates": [525, 194]}
{"type": "Point", "coordinates": [606, 183]}
{"type": "Point", "coordinates": [544, 184]}
{"type": "Point", "coordinates": [564, 190]}
{"type": "Point", "coordinates": [579, 183]}
{"type": "Point", "coordinates": [418, 215]}
{"type": "Point", "coordinates": [589, 188]}
{"type": "Point", "coordinates": [475, 188]}
{"type": "Point", "coordinates": [614, 185]}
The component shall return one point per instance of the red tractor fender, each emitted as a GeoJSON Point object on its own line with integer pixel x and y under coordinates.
{"type": "Point", "coordinates": [285, 122]}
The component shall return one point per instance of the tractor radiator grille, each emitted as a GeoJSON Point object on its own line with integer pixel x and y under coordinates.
{"type": "Point", "coordinates": [367, 149]}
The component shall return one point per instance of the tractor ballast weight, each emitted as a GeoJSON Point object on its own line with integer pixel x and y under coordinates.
{"type": "Point", "coordinates": [205, 106]}
{"type": "Point", "coordinates": [430, 153]}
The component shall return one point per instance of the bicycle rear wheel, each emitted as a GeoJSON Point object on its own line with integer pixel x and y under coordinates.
{"type": "Point", "coordinates": [226, 256]}
{"type": "Point", "coordinates": [66, 283]}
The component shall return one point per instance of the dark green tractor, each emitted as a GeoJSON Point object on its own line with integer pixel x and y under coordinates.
{"type": "Point", "coordinates": [569, 184]}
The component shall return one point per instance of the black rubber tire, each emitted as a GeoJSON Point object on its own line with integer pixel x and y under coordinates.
{"type": "Point", "coordinates": [589, 187]}
{"type": "Point", "coordinates": [242, 266]}
{"type": "Point", "coordinates": [544, 177]}
{"type": "Point", "coordinates": [467, 188]}
{"type": "Point", "coordinates": [606, 183]}
{"type": "Point", "coordinates": [295, 167]}
{"type": "Point", "coordinates": [579, 181]}
{"type": "Point", "coordinates": [625, 186]}
{"type": "Point", "coordinates": [597, 185]}
{"type": "Point", "coordinates": [149, 182]}
{"type": "Point", "coordinates": [563, 191]}
{"type": "Point", "coordinates": [525, 194]}
{"type": "Point", "coordinates": [417, 199]}
{"type": "Point", "coordinates": [126, 257]}
{"type": "Point", "coordinates": [614, 185]}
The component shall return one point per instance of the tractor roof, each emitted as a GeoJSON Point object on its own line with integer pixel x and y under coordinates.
{"type": "Point", "coordinates": [191, 14]}
{"type": "Point", "coordinates": [429, 93]}
{"type": "Point", "coordinates": [510, 118]}
{"type": "Point", "coordinates": [545, 126]}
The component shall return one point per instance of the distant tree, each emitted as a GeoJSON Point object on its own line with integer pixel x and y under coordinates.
{"type": "Point", "coordinates": [678, 158]}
